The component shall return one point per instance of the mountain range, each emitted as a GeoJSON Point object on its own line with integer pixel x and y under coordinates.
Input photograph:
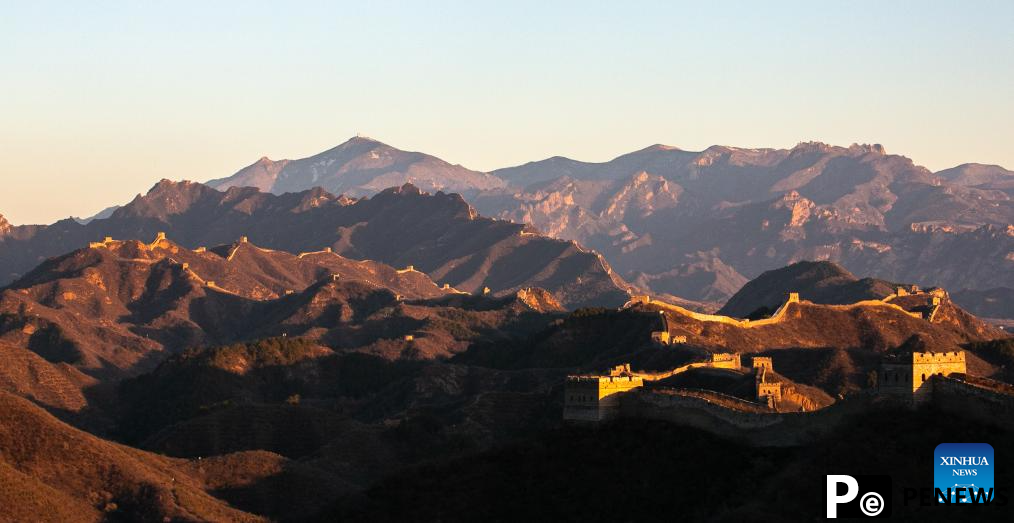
{"type": "Point", "coordinates": [699, 224]}
{"type": "Point", "coordinates": [438, 234]}
{"type": "Point", "coordinates": [112, 308]}
{"type": "Point", "coordinates": [236, 382]}
{"type": "Point", "coordinates": [359, 167]}
{"type": "Point", "coordinates": [261, 348]}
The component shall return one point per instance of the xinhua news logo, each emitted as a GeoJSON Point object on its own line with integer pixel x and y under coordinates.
{"type": "Point", "coordinates": [963, 473]}
{"type": "Point", "coordinates": [858, 496]}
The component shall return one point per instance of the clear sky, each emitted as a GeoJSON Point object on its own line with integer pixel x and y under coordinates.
{"type": "Point", "coordinates": [100, 100]}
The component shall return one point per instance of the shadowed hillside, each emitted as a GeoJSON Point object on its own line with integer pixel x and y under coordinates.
{"type": "Point", "coordinates": [437, 234]}
{"type": "Point", "coordinates": [657, 470]}
{"type": "Point", "coordinates": [52, 472]}
{"type": "Point", "coordinates": [819, 282]}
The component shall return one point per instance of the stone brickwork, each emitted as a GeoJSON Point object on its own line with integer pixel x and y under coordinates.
{"type": "Point", "coordinates": [596, 398]}
{"type": "Point", "coordinates": [937, 296]}
{"type": "Point", "coordinates": [725, 360]}
{"type": "Point", "coordinates": [780, 315]}
{"type": "Point", "coordinates": [909, 375]}
{"type": "Point", "coordinates": [768, 391]}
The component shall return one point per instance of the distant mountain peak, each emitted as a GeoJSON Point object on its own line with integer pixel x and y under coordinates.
{"type": "Point", "coordinates": [983, 166]}
{"type": "Point", "coordinates": [359, 138]}
{"type": "Point", "coordinates": [5, 226]}
{"type": "Point", "coordinates": [718, 149]}
{"type": "Point", "coordinates": [165, 198]}
{"type": "Point", "coordinates": [170, 186]}
{"type": "Point", "coordinates": [356, 144]}
{"type": "Point", "coordinates": [979, 175]}
{"type": "Point", "coordinates": [360, 166]}
{"type": "Point", "coordinates": [660, 147]}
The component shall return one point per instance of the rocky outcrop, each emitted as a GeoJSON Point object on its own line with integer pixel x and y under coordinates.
{"type": "Point", "coordinates": [539, 300]}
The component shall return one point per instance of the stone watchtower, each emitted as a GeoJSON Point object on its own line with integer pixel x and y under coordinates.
{"type": "Point", "coordinates": [768, 390]}
{"type": "Point", "coordinates": [596, 398]}
{"type": "Point", "coordinates": [759, 362]}
{"type": "Point", "coordinates": [909, 375]}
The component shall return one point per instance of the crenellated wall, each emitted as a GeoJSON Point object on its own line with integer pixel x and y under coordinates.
{"type": "Point", "coordinates": [909, 374]}
{"type": "Point", "coordinates": [777, 317]}
{"type": "Point", "coordinates": [596, 398]}
{"type": "Point", "coordinates": [758, 362]}
{"type": "Point", "coordinates": [593, 397]}
{"type": "Point", "coordinates": [736, 418]}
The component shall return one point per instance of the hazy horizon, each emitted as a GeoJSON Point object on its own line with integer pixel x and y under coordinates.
{"type": "Point", "coordinates": [103, 101]}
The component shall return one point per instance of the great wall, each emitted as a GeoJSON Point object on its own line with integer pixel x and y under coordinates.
{"type": "Point", "coordinates": [525, 295]}
{"type": "Point", "coordinates": [161, 241]}
{"type": "Point", "coordinates": [623, 393]}
{"type": "Point", "coordinates": [936, 297]}
{"type": "Point", "coordinates": [915, 378]}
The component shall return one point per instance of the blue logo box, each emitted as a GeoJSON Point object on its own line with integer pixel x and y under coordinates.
{"type": "Point", "coordinates": [966, 469]}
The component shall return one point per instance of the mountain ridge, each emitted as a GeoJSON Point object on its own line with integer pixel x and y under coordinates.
{"type": "Point", "coordinates": [439, 234]}
{"type": "Point", "coordinates": [736, 212]}
{"type": "Point", "coordinates": [358, 167]}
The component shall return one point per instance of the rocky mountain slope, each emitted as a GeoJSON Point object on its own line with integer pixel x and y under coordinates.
{"type": "Point", "coordinates": [751, 210]}
{"type": "Point", "coordinates": [358, 167]}
{"type": "Point", "coordinates": [305, 355]}
{"type": "Point", "coordinates": [117, 307]}
{"type": "Point", "coordinates": [54, 385]}
{"type": "Point", "coordinates": [819, 282]}
{"type": "Point", "coordinates": [437, 234]}
{"type": "Point", "coordinates": [293, 404]}
{"type": "Point", "coordinates": [696, 224]}
{"type": "Point", "coordinates": [364, 418]}
{"type": "Point", "coordinates": [990, 303]}
{"type": "Point", "coordinates": [861, 184]}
